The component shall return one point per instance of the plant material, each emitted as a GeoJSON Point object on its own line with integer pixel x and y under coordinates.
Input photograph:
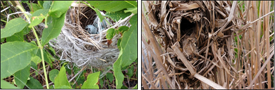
{"type": "Point", "coordinates": [204, 45]}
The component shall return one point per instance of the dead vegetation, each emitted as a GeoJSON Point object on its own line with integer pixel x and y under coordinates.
{"type": "Point", "coordinates": [207, 44]}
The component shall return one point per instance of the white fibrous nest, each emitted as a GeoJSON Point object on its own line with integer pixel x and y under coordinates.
{"type": "Point", "coordinates": [76, 45]}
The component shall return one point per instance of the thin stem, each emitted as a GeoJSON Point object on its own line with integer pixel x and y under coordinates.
{"type": "Point", "coordinates": [39, 45]}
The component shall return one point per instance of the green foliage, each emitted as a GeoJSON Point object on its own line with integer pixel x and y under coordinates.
{"type": "Point", "coordinates": [47, 4]}
{"type": "Point", "coordinates": [34, 84]}
{"type": "Point", "coordinates": [117, 15]}
{"type": "Point", "coordinates": [22, 77]}
{"type": "Point", "coordinates": [136, 87]}
{"type": "Point", "coordinates": [124, 87]}
{"type": "Point", "coordinates": [132, 10]}
{"type": "Point", "coordinates": [46, 57]}
{"type": "Point", "coordinates": [130, 72]}
{"type": "Point", "coordinates": [110, 76]}
{"type": "Point", "coordinates": [91, 82]}
{"type": "Point", "coordinates": [129, 43]}
{"type": "Point", "coordinates": [101, 83]}
{"type": "Point", "coordinates": [128, 51]}
{"type": "Point", "coordinates": [36, 59]}
{"type": "Point", "coordinates": [61, 81]}
{"type": "Point", "coordinates": [34, 66]}
{"type": "Point", "coordinates": [122, 29]}
{"type": "Point", "coordinates": [53, 74]}
{"type": "Point", "coordinates": [34, 7]}
{"type": "Point", "coordinates": [113, 6]}
{"type": "Point", "coordinates": [13, 26]}
{"type": "Point", "coordinates": [6, 85]}
{"type": "Point", "coordinates": [19, 36]}
{"type": "Point", "coordinates": [16, 57]}
{"type": "Point", "coordinates": [118, 73]}
{"type": "Point", "coordinates": [110, 33]}
{"type": "Point", "coordinates": [58, 8]}
{"type": "Point", "coordinates": [53, 30]}
{"type": "Point", "coordinates": [38, 16]}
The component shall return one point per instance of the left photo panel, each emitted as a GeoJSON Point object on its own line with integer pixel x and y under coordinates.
{"type": "Point", "coordinates": [69, 44]}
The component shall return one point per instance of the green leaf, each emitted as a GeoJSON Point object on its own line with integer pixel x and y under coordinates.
{"type": "Point", "coordinates": [130, 72]}
{"type": "Point", "coordinates": [61, 81]}
{"type": "Point", "coordinates": [40, 3]}
{"type": "Point", "coordinates": [117, 15]}
{"type": "Point", "coordinates": [2, 40]}
{"type": "Point", "coordinates": [51, 49]}
{"type": "Point", "coordinates": [19, 36]}
{"type": "Point", "coordinates": [136, 86]}
{"type": "Point", "coordinates": [110, 33]}
{"type": "Point", "coordinates": [7, 85]}
{"type": "Point", "coordinates": [46, 57]}
{"type": "Point", "coordinates": [53, 30]}
{"type": "Point", "coordinates": [124, 87]}
{"type": "Point", "coordinates": [13, 26]}
{"type": "Point", "coordinates": [110, 77]}
{"type": "Point", "coordinates": [122, 29]}
{"type": "Point", "coordinates": [51, 87]}
{"type": "Point", "coordinates": [129, 43]}
{"type": "Point", "coordinates": [101, 82]}
{"type": "Point", "coordinates": [118, 43]}
{"type": "Point", "coordinates": [33, 65]}
{"type": "Point", "coordinates": [36, 59]}
{"type": "Point", "coordinates": [118, 73]}
{"type": "Point", "coordinates": [25, 1]}
{"type": "Point", "coordinates": [132, 10]}
{"type": "Point", "coordinates": [34, 7]}
{"type": "Point", "coordinates": [91, 82]}
{"type": "Point", "coordinates": [133, 3]}
{"type": "Point", "coordinates": [128, 51]}
{"type": "Point", "coordinates": [112, 6]}
{"type": "Point", "coordinates": [81, 77]}
{"type": "Point", "coordinates": [47, 4]}
{"type": "Point", "coordinates": [58, 8]}
{"type": "Point", "coordinates": [38, 16]}
{"type": "Point", "coordinates": [53, 74]}
{"type": "Point", "coordinates": [34, 84]}
{"type": "Point", "coordinates": [15, 56]}
{"type": "Point", "coordinates": [64, 86]}
{"type": "Point", "coordinates": [22, 77]}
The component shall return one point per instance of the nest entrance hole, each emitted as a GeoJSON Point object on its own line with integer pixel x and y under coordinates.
{"type": "Point", "coordinates": [187, 27]}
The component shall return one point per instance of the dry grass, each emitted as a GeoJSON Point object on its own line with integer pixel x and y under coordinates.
{"type": "Point", "coordinates": [207, 44]}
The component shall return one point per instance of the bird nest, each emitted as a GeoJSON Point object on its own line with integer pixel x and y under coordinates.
{"type": "Point", "coordinates": [77, 45]}
{"type": "Point", "coordinates": [193, 33]}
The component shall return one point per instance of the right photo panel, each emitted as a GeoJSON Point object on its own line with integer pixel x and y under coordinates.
{"type": "Point", "coordinates": [207, 44]}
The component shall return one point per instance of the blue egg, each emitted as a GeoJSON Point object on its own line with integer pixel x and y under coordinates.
{"type": "Point", "coordinates": [91, 29]}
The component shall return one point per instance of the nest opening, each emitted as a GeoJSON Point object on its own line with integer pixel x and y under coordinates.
{"type": "Point", "coordinates": [186, 26]}
{"type": "Point", "coordinates": [195, 24]}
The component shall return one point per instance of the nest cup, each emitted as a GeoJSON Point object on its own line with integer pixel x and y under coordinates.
{"type": "Point", "coordinates": [189, 25]}
{"type": "Point", "coordinates": [76, 45]}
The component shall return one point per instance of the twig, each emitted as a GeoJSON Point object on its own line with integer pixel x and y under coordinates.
{"type": "Point", "coordinates": [5, 9]}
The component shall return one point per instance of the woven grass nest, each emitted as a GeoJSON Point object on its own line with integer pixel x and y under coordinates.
{"type": "Point", "coordinates": [189, 32]}
{"type": "Point", "coordinates": [76, 45]}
